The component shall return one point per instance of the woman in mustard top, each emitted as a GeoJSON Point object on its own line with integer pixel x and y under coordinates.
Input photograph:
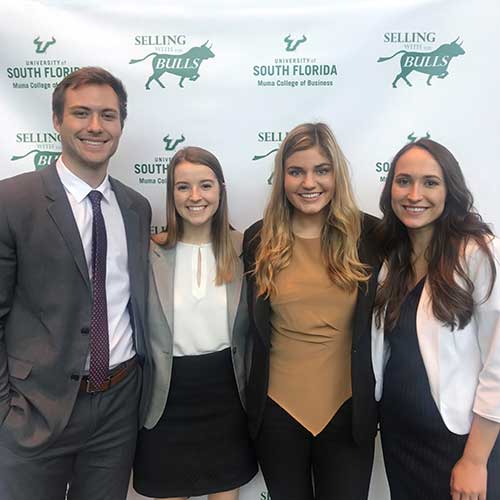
{"type": "Point", "coordinates": [311, 411]}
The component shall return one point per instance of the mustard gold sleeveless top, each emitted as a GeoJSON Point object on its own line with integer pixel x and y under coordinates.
{"type": "Point", "coordinates": [311, 338]}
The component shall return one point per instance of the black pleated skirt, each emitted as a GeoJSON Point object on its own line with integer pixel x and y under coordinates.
{"type": "Point", "coordinates": [201, 443]}
{"type": "Point", "coordinates": [419, 450]}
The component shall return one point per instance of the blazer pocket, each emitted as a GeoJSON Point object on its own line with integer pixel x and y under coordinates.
{"type": "Point", "coordinates": [18, 368]}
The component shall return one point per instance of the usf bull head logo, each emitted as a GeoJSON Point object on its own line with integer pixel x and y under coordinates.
{"type": "Point", "coordinates": [183, 65]}
{"type": "Point", "coordinates": [41, 47]}
{"type": "Point", "coordinates": [433, 63]}
{"type": "Point", "coordinates": [412, 137]}
{"type": "Point", "coordinates": [171, 144]}
{"type": "Point", "coordinates": [291, 44]}
{"type": "Point", "coordinates": [41, 159]}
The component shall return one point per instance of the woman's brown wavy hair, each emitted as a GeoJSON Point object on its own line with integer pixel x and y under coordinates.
{"type": "Point", "coordinates": [450, 286]}
{"type": "Point", "coordinates": [342, 228]}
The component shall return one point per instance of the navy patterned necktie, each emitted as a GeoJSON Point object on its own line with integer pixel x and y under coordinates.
{"type": "Point", "coordinates": [99, 336]}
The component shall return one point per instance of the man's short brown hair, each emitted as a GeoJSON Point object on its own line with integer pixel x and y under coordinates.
{"type": "Point", "coordinates": [90, 75]}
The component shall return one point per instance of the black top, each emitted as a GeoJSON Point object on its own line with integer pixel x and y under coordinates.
{"type": "Point", "coordinates": [406, 385]}
{"type": "Point", "coordinates": [419, 450]}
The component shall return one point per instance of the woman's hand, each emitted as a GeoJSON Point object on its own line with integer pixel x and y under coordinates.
{"type": "Point", "coordinates": [469, 477]}
{"type": "Point", "coordinates": [468, 480]}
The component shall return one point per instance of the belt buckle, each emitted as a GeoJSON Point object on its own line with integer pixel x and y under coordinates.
{"type": "Point", "coordinates": [105, 386]}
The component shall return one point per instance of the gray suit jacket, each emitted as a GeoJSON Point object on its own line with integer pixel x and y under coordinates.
{"type": "Point", "coordinates": [160, 316]}
{"type": "Point", "coordinates": [45, 304]}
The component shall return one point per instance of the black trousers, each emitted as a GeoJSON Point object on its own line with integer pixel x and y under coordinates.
{"type": "Point", "coordinates": [298, 466]}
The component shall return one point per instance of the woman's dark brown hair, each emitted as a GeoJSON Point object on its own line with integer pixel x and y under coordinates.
{"type": "Point", "coordinates": [450, 286]}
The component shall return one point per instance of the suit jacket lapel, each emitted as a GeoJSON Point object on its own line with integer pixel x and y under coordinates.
{"type": "Point", "coordinates": [362, 313]}
{"type": "Point", "coordinates": [366, 291]}
{"type": "Point", "coordinates": [163, 265]}
{"type": "Point", "coordinates": [133, 235]}
{"type": "Point", "coordinates": [61, 213]}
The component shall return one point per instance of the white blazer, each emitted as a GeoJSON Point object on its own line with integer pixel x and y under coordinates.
{"type": "Point", "coordinates": [463, 366]}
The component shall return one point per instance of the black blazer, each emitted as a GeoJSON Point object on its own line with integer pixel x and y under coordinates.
{"type": "Point", "coordinates": [363, 381]}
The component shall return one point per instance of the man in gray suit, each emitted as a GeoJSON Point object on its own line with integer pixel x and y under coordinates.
{"type": "Point", "coordinates": [73, 272]}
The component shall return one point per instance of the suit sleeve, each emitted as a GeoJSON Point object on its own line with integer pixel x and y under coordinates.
{"type": "Point", "coordinates": [487, 317]}
{"type": "Point", "coordinates": [148, 214]}
{"type": "Point", "coordinates": [8, 266]}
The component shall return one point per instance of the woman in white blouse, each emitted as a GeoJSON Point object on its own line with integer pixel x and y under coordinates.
{"type": "Point", "coordinates": [436, 333]}
{"type": "Point", "coordinates": [195, 440]}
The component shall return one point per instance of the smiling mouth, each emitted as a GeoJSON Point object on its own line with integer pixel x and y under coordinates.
{"type": "Point", "coordinates": [415, 210]}
{"type": "Point", "coordinates": [93, 143]}
{"type": "Point", "coordinates": [310, 196]}
{"type": "Point", "coordinates": [196, 209]}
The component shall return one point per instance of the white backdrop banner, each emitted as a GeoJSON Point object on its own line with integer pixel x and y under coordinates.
{"type": "Point", "coordinates": [235, 77]}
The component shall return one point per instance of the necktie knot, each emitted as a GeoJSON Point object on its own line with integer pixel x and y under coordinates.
{"type": "Point", "coordinates": [95, 198]}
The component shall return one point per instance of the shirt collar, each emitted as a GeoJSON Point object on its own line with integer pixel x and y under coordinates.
{"type": "Point", "coordinates": [78, 188]}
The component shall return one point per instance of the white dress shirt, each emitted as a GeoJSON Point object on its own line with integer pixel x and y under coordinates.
{"type": "Point", "coordinates": [200, 310]}
{"type": "Point", "coordinates": [121, 342]}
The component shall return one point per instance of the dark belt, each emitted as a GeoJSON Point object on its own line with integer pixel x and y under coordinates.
{"type": "Point", "coordinates": [117, 374]}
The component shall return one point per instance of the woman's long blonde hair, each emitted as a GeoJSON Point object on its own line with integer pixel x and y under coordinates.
{"type": "Point", "coordinates": [225, 254]}
{"type": "Point", "coordinates": [342, 228]}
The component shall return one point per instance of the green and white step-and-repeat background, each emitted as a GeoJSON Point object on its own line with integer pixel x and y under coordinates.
{"type": "Point", "coordinates": [234, 77]}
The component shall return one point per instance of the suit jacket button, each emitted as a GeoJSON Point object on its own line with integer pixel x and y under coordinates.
{"type": "Point", "coordinates": [85, 330]}
{"type": "Point", "coordinates": [74, 376]}
{"type": "Point", "coordinates": [234, 350]}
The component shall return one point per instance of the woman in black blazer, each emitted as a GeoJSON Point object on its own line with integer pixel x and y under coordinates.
{"type": "Point", "coordinates": [311, 199]}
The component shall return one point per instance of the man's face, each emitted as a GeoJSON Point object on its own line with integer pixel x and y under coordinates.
{"type": "Point", "coordinates": [90, 128]}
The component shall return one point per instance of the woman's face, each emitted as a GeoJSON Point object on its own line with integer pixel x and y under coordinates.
{"type": "Point", "coordinates": [418, 192]}
{"type": "Point", "coordinates": [196, 193]}
{"type": "Point", "coordinates": [309, 181]}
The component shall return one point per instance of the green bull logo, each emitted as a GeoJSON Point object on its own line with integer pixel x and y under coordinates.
{"type": "Point", "coordinates": [41, 47]}
{"type": "Point", "coordinates": [41, 159]}
{"type": "Point", "coordinates": [291, 45]}
{"type": "Point", "coordinates": [269, 137]}
{"type": "Point", "coordinates": [383, 167]}
{"type": "Point", "coordinates": [170, 144]}
{"type": "Point", "coordinates": [184, 65]}
{"type": "Point", "coordinates": [155, 171]}
{"type": "Point", "coordinates": [412, 137]}
{"type": "Point", "coordinates": [261, 157]}
{"type": "Point", "coordinates": [434, 63]}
